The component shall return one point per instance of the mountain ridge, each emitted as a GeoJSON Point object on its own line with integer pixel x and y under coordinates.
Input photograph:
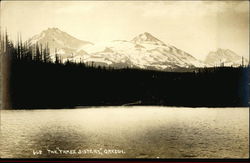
{"type": "Point", "coordinates": [143, 51]}
{"type": "Point", "coordinates": [225, 57]}
{"type": "Point", "coordinates": [58, 41]}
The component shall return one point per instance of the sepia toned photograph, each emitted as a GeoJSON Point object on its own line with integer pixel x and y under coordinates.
{"type": "Point", "coordinates": [124, 79]}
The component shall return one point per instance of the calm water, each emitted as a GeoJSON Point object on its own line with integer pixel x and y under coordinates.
{"type": "Point", "coordinates": [126, 132]}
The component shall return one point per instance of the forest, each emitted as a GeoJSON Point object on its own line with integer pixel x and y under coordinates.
{"type": "Point", "coordinates": [32, 80]}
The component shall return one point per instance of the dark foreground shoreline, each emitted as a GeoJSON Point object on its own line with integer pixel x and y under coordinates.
{"type": "Point", "coordinates": [67, 86]}
{"type": "Point", "coordinates": [70, 86]}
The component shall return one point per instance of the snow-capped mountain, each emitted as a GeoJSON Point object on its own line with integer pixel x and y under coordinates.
{"type": "Point", "coordinates": [59, 41]}
{"type": "Point", "coordinates": [143, 51]}
{"type": "Point", "coordinates": [224, 57]}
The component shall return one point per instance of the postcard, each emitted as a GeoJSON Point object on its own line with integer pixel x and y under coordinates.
{"type": "Point", "coordinates": [125, 79]}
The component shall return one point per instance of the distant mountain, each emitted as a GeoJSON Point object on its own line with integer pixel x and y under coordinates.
{"type": "Point", "coordinates": [59, 41]}
{"type": "Point", "coordinates": [224, 57]}
{"type": "Point", "coordinates": [143, 51]}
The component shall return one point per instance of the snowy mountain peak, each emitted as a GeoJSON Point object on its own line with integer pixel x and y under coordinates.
{"type": "Point", "coordinates": [225, 51]}
{"type": "Point", "coordinates": [59, 41]}
{"type": "Point", "coordinates": [54, 34]}
{"type": "Point", "coordinates": [224, 57]}
{"type": "Point", "coordinates": [50, 32]}
{"type": "Point", "coordinates": [147, 38]}
{"type": "Point", "coordinates": [54, 31]}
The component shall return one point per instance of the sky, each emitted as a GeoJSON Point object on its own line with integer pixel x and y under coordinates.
{"type": "Point", "coordinates": [196, 27]}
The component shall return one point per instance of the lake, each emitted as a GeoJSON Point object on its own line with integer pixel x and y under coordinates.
{"type": "Point", "coordinates": [125, 132]}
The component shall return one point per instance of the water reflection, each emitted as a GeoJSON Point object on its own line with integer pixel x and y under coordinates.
{"type": "Point", "coordinates": [140, 132]}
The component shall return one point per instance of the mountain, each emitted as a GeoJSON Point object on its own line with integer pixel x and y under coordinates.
{"type": "Point", "coordinates": [143, 51]}
{"type": "Point", "coordinates": [224, 57]}
{"type": "Point", "coordinates": [59, 41]}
